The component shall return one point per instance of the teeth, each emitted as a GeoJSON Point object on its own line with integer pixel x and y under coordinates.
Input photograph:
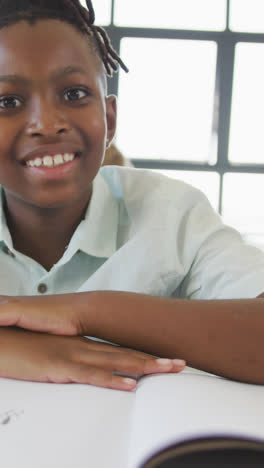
{"type": "Point", "coordinates": [58, 159]}
{"type": "Point", "coordinates": [37, 162]}
{"type": "Point", "coordinates": [47, 161]}
{"type": "Point", "coordinates": [51, 161]}
{"type": "Point", "coordinates": [68, 157]}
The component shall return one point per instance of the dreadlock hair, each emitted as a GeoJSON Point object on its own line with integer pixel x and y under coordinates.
{"type": "Point", "coordinates": [71, 11]}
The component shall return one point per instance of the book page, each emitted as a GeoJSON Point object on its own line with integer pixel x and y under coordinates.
{"type": "Point", "coordinates": [175, 407]}
{"type": "Point", "coordinates": [63, 425]}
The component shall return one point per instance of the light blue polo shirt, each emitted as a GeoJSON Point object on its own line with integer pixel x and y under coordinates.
{"type": "Point", "coordinates": [143, 232]}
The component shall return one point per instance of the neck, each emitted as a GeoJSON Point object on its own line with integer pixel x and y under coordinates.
{"type": "Point", "coordinates": [43, 234]}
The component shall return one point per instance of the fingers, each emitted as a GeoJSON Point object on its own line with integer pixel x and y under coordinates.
{"type": "Point", "coordinates": [42, 314]}
{"type": "Point", "coordinates": [101, 364]}
{"type": "Point", "coordinates": [49, 358]}
{"type": "Point", "coordinates": [83, 374]}
{"type": "Point", "coordinates": [100, 377]}
{"type": "Point", "coordinates": [103, 368]}
{"type": "Point", "coordinates": [129, 363]}
{"type": "Point", "coordinates": [8, 315]}
{"type": "Point", "coordinates": [177, 366]}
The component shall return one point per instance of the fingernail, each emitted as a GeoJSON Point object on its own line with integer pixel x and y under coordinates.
{"type": "Point", "coordinates": [164, 362]}
{"type": "Point", "coordinates": [129, 381]}
{"type": "Point", "coordinates": [179, 362]}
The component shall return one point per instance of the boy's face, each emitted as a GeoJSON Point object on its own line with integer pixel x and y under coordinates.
{"type": "Point", "coordinates": [65, 113]}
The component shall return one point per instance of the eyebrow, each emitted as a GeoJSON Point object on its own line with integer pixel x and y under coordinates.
{"type": "Point", "coordinates": [53, 77]}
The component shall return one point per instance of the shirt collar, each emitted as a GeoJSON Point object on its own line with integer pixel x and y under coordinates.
{"type": "Point", "coordinates": [96, 234]}
{"type": "Point", "coordinates": [99, 236]}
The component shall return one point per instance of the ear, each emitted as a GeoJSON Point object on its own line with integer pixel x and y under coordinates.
{"type": "Point", "coordinates": [111, 111]}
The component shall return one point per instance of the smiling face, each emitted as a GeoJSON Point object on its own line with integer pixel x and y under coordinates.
{"type": "Point", "coordinates": [51, 109]}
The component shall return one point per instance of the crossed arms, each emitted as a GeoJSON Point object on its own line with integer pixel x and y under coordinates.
{"type": "Point", "coordinates": [42, 338]}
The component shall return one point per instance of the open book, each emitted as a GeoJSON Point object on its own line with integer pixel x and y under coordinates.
{"type": "Point", "coordinates": [171, 420]}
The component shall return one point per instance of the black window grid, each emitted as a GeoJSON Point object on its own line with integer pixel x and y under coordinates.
{"type": "Point", "coordinates": [226, 41]}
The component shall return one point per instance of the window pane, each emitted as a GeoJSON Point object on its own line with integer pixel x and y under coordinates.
{"type": "Point", "coordinates": [166, 101]}
{"type": "Point", "coordinates": [243, 196]}
{"type": "Point", "coordinates": [247, 16]}
{"type": "Point", "coordinates": [102, 10]}
{"type": "Point", "coordinates": [173, 14]}
{"type": "Point", "coordinates": [207, 182]}
{"type": "Point", "coordinates": [246, 136]}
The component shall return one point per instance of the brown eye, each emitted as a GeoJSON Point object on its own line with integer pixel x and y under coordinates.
{"type": "Point", "coordinates": [74, 94]}
{"type": "Point", "coordinates": [8, 102]}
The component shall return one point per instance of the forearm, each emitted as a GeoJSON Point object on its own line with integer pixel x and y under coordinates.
{"type": "Point", "coordinates": [221, 337]}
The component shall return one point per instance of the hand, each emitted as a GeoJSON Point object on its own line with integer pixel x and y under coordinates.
{"type": "Point", "coordinates": [55, 314]}
{"type": "Point", "coordinates": [41, 357]}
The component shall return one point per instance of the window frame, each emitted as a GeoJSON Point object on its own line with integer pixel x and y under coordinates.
{"type": "Point", "coordinates": [226, 41]}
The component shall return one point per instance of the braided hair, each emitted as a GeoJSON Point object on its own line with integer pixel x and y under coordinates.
{"type": "Point", "coordinates": [71, 11]}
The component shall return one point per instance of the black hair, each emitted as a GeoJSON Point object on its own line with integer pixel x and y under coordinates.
{"type": "Point", "coordinates": [71, 11]}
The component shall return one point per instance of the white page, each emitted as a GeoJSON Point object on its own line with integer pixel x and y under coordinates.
{"type": "Point", "coordinates": [63, 426]}
{"type": "Point", "coordinates": [178, 406]}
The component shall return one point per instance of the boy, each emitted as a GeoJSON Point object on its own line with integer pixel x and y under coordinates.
{"type": "Point", "coordinates": [122, 255]}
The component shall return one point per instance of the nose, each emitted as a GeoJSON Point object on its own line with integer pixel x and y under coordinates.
{"type": "Point", "coordinates": [47, 119]}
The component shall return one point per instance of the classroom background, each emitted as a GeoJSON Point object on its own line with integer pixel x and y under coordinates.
{"type": "Point", "coordinates": [192, 104]}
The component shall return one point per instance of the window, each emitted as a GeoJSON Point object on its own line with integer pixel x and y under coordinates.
{"type": "Point", "coordinates": [170, 114]}
{"type": "Point", "coordinates": [247, 16]}
{"type": "Point", "coordinates": [171, 14]}
{"type": "Point", "coordinates": [191, 106]}
{"type": "Point", "coordinates": [246, 136]}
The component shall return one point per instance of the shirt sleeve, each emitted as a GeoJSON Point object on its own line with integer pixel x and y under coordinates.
{"type": "Point", "coordinates": [222, 264]}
